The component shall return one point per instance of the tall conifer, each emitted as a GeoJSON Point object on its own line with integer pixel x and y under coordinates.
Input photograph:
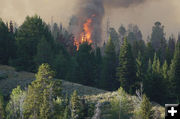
{"type": "Point", "coordinates": [126, 70]}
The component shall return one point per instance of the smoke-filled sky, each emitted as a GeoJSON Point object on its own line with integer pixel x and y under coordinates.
{"type": "Point", "coordinates": [144, 15]}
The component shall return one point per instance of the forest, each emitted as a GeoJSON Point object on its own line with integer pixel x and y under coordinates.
{"type": "Point", "coordinates": [125, 63]}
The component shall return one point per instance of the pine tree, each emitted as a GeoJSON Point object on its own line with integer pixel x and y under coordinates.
{"type": "Point", "coordinates": [29, 34]}
{"type": "Point", "coordinates": [165, 70]}
{"type": "Point", "coordinates": [14, 108]}
{"type": "Point", "coordinates": [40, 93]}
{"type": "Point", "coordinates": [149, 52]}
{"type": "Point", "coordinates": [44, 52]}
{"type": "Point", "coordinates": [66, 113]}
{"type": "Point", "coordinates": [154, 81]}
{"type": "Point", "coordinates": [61, 66]}
{"type": "Point", "coordinates": [121, 106]}
{"type": "Point", "coordinates": [86, 64]}
{"type": "Point", "coordinates": [46, 109]}
{"type": "Point", "coordinates": [7, 44]}
{"type": "Point", "coordinates": [126, 70]}
{"type": "Point", "coordinates": [146, 109]}
{"type": "Point", "coordinates": [156, 64]}
{"type": "Point", "coordinates": [108, 79]}
{"type": "Point", "coordinates": [174, 73]}
{"type": "Point", "coordinates": [98, 67]}
{"type": "Point", "coordinates": [115, 39]}
{"type": "Point", "coordinates": [157, 36]}
{"type": "Point", "coordinates": [140, 68]}
{"type": "Point", "coordinates": [170, 49]}
{"type": "Point", "coordinates": [75, 106]}
{"type": "Point", "coordinates": [138, 46]}
{"type": "Point", "coordinates": [2, 112]}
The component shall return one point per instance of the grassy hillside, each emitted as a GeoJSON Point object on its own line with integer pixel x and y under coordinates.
{"type": "Point", "coordinates": [9, 79]}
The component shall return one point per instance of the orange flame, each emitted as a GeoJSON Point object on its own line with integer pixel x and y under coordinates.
{"type": "Point", "coordinates": [86, 35]}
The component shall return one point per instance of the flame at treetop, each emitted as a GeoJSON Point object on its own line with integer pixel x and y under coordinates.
{"type": "Point", "coordinates": [86, 35]}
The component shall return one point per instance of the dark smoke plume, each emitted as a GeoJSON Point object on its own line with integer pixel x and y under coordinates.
{"type": "Point", "coordinates": [121, 3]}
{"type": "Point", "coordinates": [94, 9]}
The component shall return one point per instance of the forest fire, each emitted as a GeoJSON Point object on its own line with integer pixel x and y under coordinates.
{"type": "Point", "coordinates": [86, 35]}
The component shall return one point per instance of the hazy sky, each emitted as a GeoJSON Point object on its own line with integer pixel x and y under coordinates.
{"type": "Point", "coordinates": [144, 15]}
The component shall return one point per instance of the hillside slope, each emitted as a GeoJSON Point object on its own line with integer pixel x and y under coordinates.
{"type": "Point", "coordinates": [9, 79]}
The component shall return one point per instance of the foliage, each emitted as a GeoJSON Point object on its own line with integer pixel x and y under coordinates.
{"type": "Point", "coordinates": [44, 52]}
{"type": "Point", "coordinates": [39, 101]}
{"type": "Point", "coordinates": [2, 112]}
{"type": "Point", "coordinates": [145, 111]}
{"type": "Point", "coordinates": [28, 37]}
{"type": "Point", "coordinates": [121, 106]}
{"type": "Point", "coordinates": [174, 74]}
{"type": "Point", "coordinates": [86, 64]}
{"type": "Point", "coordinates": [126, 71]}
{"type": "Point", "coordinates": [7, 44]}
{"type": "Point", "coordinates": [14, 108]}
{"type": "Point", "coordinates": [108, 79]}
{"type": "Point", "coordinates": [154, 81]}
{"type": "Point", "coordinates": [75, 106]}
{"type": "Point", "coordinates": [158, 40]}
{"type": "Point", "coordinates": [115, 39]}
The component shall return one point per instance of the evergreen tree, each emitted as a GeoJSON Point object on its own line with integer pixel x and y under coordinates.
{"type": "Point", "coordinates": [75, 106]}
{"type": "Point", "coordinates": [7, 44]}
{"type": "Point", "coordinates": [140, 68]}
{"type": "Point", "coordinates": [165, 70]}
{"type": "Point", "coordinates": [158, 40]}
{"type": "Point", "coordinates": [55, 31]}
{"type": "Point", "coordinates": [115, 39]}
{"type": "Point", "coordinates": [86, 64]}
{"type": "Point", "coordinates": [122, 31]}
{"type": "Point", "coordinates": [174, 74]}
{"type": "Point", "coordinates": [2, 112]}
{"type": "Point", "coordinates": [146, 109]}
{"type": "Point", "coordinates": [157, 36]}
{"type": "Point", "coordinates": [98, 67]}
{"type": "Point", "coordinates": [40, 94]}
{"type": "Point", "coordinates": [149, 52]}
{"type": "Point", "coordinates": [126, 70]}
{"type": "Point", "coordinates": [121, 106]}
{"type": "Point", "coordinates": [60, 64]}
{"type": "Point", "coordinates": [134, 34]}
{"type": "Point", "coordinates": [108, 79]}
{"type": "Point", "coordinates": [46, 109]}
{"type": "Point", "coordinates": [66, 113]}
{"type": "Point", "coordinates": [170, 49]}
{"type": "Point", "coordinates": [154, 81]}
{"type": "Point", "coordinates": [44, 52]}
{"type": "Point", "coordinates": [29, 34]}
{"type": "Point", "coordinates": [73, 73]}
{"type": "Point", "coordinates": [138, 46]}
{"type": "Point", "coordinates": [14, 108]}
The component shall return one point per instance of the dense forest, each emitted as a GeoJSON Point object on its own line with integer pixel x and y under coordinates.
{"type": "Point", "coordinates": [151, 67]}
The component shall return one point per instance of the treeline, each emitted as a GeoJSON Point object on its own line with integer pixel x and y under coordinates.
{"type": "Point", "coordinates": [124, 60]}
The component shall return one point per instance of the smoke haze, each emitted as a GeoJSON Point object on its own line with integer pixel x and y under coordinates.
{"type": "Point", "coordinates": [95, 8]}
{"type": "Point", "coordinates": [121, 3]}
{"type": "Point", "coordinates": [144, 15]}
